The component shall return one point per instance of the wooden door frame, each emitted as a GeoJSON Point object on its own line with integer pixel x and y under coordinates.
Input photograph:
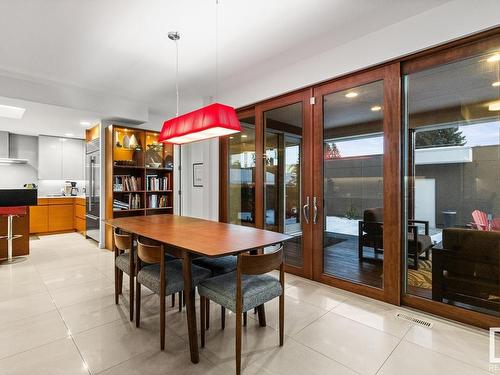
{"type": "Point", "coordinates": [306, 178]}
{"type": "Point", "coordinates": [488, 41]}
{"type": "Point", "coordinates": [390, 75]}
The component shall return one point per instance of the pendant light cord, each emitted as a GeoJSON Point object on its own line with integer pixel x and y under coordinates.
{"type": "Point", "coordinates": [177, 77]}
{"type": "Point", "coordinates": [216, 48]}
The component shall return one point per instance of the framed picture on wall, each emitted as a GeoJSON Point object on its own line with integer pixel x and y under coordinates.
{"type": "Point", "coordinates": [198, 174]}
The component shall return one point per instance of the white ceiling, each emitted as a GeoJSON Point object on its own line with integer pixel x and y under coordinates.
{"type": "Point", "coordinates": [46, 119]}
{"type": "Point", "coordinates": [119, 47]}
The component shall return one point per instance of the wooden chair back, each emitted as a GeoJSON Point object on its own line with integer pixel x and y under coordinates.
{"type": "Point", "coordinates": [123, 240]}
{"type": "Point", "coordinates": [149, 251]}
{"type": "Point", "coordinates": [261, 263]}
{"type": "Point", "coordinates": [480, 219]}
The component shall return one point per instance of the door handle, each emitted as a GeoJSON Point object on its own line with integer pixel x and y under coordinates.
{"type": "Point", "coordinates": [315, 210]}
{"type": "Point", "coordinates": [305, 210]}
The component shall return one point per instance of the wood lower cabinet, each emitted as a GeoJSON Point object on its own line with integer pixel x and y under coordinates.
{"type": "Point", "coordinates": [57, 215]}
{"type": "Point", "coordinates": [61, 217]}
{"type": "Point", "coordinates": [39, 219]}
{"type": "Point", "coordinates": [80, 223]}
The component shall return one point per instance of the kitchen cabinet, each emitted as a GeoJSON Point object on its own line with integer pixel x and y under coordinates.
{"type": "Point", "coordinates": [49, 158]}
{"type": "Point", "coordinates": [58, 215]}
{"type": "Point", "coordinates": [80, 221]}
{"type": "Point", "coordinates": [39, 219]}
{"type": "Point", "coordinates": [73, 156]}
{"type": "Point", "coordinates": [61, 217]}
{"type": "Point", "coordinates": [60, 158]}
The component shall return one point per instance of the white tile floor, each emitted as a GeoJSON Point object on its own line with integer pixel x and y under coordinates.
{"type": "Point", "coordinates": [57, 316]}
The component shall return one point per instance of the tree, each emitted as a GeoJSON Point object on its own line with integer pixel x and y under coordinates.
{"type": "Point", "coordinates": [331, 151]}
{"type": "Point", "coordinates": [450, 136]}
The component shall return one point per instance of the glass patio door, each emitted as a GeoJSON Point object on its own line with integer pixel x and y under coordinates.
{"type": "Point", "coordinates": [357, 229]}
{"type": "Point", "coordinates": [286, 159]}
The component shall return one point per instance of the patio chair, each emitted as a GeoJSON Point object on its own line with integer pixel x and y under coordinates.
{"type": "Point", "coordinates": [480, 220]}
{"type": "Point", "coordinates": [370, 234]}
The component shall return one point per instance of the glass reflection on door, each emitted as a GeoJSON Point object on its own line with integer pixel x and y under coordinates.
{"type": "Point", "coordinates": [241, 200]}
{"type": "Point", "coordinates": [282, 177]}
{"type": "Point", "coordinates": [452, 131]}
{"type": "Point", "coordinates": [353, 153]}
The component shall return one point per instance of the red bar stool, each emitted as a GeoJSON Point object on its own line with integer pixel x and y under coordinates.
{"type": "Point", "coordinates": [11, 213]}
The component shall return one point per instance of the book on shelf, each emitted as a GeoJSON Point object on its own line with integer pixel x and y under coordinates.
{"type": "Point", "coordinates": [132, 201]}
{"type": "Point", "coordinates": [127, 183]}
{"type": "Point", "coordinates": [157, 201]}
{"type": "Point", "coordinates": [155, 183]}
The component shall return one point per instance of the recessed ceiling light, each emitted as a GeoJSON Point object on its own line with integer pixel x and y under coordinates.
{"type": "Point", "coordinates": [496, 84]}
{"type": "Point", "coordinates": [231, 137]}
{"type": "Point", "coordinates": [494, 58]}
{"type": "Point", "coordinates": [244, 136]}
{"type": "Point", "coordinates": [376, 108]}
{"type": "Point", "coordinates": [11, 112]}
{"type": "Point", "coordinates": [69, 134]}
{"type": "Point", "coordinates": [494, 106]}
{"type": "Point", "coordinates": [351, 94]}
{"type": "Point", "coordinates": [85, 123]}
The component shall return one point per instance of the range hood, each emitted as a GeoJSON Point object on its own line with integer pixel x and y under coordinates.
{"type": "Point", "coordinates": [5, 151]}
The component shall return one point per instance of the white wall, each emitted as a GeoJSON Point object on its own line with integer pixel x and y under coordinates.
{"type": "Point", "coordinates": [201, 202]}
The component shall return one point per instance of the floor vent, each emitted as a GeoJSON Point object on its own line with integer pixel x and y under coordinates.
{"type": "Point", "coordinates": [420, 322]}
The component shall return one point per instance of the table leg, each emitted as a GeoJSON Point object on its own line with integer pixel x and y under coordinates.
{"type": "Point", "coordinates": [190, 309]}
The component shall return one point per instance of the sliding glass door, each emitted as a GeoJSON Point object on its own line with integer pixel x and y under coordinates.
{"type": "Point", "coordinates": [452, 131]}
{"type": "Point", "coordinates": [286, 157]}
{"type": "Point", "coordinates": [355, 234]}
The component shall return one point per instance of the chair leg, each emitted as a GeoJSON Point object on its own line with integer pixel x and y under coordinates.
{"type": "Point", "coordinates": [137, 304]}
{"type": "Point", "coordinates": [162, 321]}
{"type": "Point", "coordinates": [238, 342]}
{"type": "Point", "coordinates": [223, 317]}
{"type": "Point", "coordinates": [173, 300]}
{"type": "Point", "coordinates": [245, 319]}
{"type": "Point", "coordinates": [203, 307]}
{"type": "Point", "coordinates": [180, 301]}
{"type": "Point", "coordinates": [207, 324]}
{"type": "Point", "coordinates": [262, 315]}
{"type": "Point", "coordinates": [120, 281]}
{"type": "Point", "coordinates": [116, 285]}
{"type": "Point", "coordinates": [282, 317]}
{"type": "Point", "coordinates": [131, 297]}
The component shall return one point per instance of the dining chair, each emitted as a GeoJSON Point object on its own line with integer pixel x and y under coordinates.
{"type": "Point", "coordinates": [218, 266]}
{"type": "Point", "coordinates": [124, 262]}
{"type": "Point", "coordinates": [162, 275]}
{"type": "Point", "coordinates": [250, 286]}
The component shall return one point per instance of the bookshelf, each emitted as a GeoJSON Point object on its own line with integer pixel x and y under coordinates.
{"type": "Point", "coordinates": [139, 174]}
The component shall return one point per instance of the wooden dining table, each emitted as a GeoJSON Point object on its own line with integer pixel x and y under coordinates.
{"type": "Point", "coordinates": [194, 237]}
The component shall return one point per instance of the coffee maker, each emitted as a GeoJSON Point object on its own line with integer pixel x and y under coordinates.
{"type": "Point", "coordinates": [70, 189]}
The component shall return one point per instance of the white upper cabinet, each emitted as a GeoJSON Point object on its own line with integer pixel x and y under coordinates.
{"type": "Point", "coordinates": [60, 158]}
{"type": "Point", "coordinates": [72, 159]}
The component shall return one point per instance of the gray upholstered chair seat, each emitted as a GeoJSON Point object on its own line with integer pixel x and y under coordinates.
{"type": "Point", "coordinates": [123, 263]}
{"type": "Point", "coordinates": [149, 276]}
{"type": "Point", "coordinates": [256, 290]}
{"type": "Point", "coordinates": [218, 266]}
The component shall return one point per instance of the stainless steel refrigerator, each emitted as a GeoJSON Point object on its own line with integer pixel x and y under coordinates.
{"type": "Point", "coordinates": [93, 189]}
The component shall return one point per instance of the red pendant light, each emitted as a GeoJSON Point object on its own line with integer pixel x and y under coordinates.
{"type": "Point", "coordinates": [214, 120]}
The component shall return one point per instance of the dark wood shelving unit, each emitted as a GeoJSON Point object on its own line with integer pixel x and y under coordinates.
{"type": "Point", "coordinates": [133, 152]}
